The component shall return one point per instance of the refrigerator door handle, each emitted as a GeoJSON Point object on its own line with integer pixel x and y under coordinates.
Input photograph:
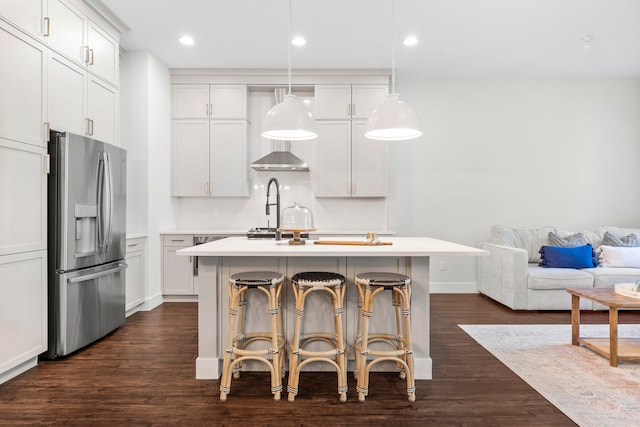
{"type": "Point", "coordinates": [101, 213]}
{"type": "Point", "coordinates": [109, 200]}
{"type": "Point", "coordinates": [98, 274]}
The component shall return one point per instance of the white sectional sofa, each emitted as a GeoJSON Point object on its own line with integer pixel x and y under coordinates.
{"type": "Point", "coordinates": [511, 274]}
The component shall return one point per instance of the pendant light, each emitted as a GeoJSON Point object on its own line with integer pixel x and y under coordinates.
{"type": "Point", "coordinates": [289, 120]}
{"type": "Point", "coordinates": [393, 120]}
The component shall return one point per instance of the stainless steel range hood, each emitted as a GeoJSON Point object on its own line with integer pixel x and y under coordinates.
{"type": "Point", "coordinates": [281, 158]}
{"type": "Point", "coordinates": [280, 161]}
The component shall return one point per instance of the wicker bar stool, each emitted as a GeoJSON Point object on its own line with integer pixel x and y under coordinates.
{"type": "Point", "coordinates": [369, 286]}
{"type": "Point", "coordinates": [236, 350]}
{"type": "Point", "coordinates": [333, 285]}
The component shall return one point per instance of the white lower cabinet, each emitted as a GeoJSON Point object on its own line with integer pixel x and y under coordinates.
{"type": "Point", "coordinates": [23, 311]}
{"type": "Point", "coordinates": [136, 278]}
{"type": "Point", "coordinates": [177, 271]}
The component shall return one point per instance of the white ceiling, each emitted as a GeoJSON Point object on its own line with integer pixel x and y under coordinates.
{"type": "Point", "coordinates": [494, 38]}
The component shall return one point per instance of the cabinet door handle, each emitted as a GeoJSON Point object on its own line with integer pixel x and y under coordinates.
{"type": "Point", "coordinates": [89, 126]}
{"type": "Point", "coordinates": [207, 110]}
{"type": "Point", "coordinates": [348, 109]}
{"type": "Point", "coordinates": [47, 129]}
{"type": "Point", "coordinates": [47, 26]}
{"type": "Point", "coordinates": [353, 109]}
{"type": "Point", "coordinates": [206, 188]}
{"type": "Point", "coordinates": [85, 54]}
{"type": "Point", "coordinates": [47, 164]}
{"type": "Point", "coordinates": [132, 245]}
{"type": "Point", "coordinates": [178, 240]}
{"type": "Point", "coordinates": [90, 56]}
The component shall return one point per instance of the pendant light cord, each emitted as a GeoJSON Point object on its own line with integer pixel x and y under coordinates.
{"type": "Point", "coordinates": [393, 46]}
{"type": "Point", "coordinates": [289, 46]}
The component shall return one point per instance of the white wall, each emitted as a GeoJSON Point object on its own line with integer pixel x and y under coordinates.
{"type": "Point", "coordinates": [145, 107]}
{"type": "Point", "coordinates": [518, 152]}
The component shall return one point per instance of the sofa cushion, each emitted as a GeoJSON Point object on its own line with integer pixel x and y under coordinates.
{"type": "Point", "coordinates": [558, 278]}
{"type": "Point", "coordinates": [613, 256]}
{"type": "Point", "coordinates": [630, 240]}
{"type": "Point", "coordinates": [559, 257]}
{"type": "Point", "coordinates": [529, 239]}
{"type": "Point", "coordinates": [569, 241]}
{"type": "Point", "coordinates": [607, 277]}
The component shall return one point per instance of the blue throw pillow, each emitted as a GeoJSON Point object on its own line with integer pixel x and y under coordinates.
{"type": "Point", "coordinates": [559, 257]}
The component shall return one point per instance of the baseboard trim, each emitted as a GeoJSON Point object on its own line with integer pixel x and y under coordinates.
{"type": "Point", "coordinates": [453, 288]}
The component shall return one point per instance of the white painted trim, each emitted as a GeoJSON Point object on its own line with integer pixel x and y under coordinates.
{"type": "Point", "coordinates": [453, 288]}
{"type": "Point", "coordinates": [151, 302]}
{"type": "Point", "coordinates": [18, 369]}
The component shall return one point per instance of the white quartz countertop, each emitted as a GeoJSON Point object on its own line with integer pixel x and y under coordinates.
{"type": "Point", "coordinates": [244, 232]}
{"type": "Point", "coordinates": [400, 246]}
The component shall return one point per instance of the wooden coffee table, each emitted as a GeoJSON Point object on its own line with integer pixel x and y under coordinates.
{"type": "Point", "coordinates": [613, 349]}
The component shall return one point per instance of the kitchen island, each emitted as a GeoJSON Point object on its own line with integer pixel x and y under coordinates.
{"type": "Point", "coordinates": [405, 255]}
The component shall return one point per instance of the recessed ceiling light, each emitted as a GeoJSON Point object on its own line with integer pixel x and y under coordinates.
{"type": "Point", "coordinates": [410, 41]}
{"type": "Point", "coordinates": [298, 41]}
{"type": "Point", "coordinates": [186, 40]}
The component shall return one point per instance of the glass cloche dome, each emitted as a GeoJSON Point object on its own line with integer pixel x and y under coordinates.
{"type": "Point", "coordinates": [297, 219]}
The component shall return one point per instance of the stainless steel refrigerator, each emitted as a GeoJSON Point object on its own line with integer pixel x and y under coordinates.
{"type": "Point", "coordinates": [86, 242]}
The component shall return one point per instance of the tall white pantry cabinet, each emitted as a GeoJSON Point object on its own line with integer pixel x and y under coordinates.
{"type": "Point", "coordinates": [59, 70]}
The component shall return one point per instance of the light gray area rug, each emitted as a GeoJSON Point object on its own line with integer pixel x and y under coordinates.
{"type": "Point", "coordinates": [576, 380]}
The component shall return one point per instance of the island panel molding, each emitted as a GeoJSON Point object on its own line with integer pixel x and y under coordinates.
{"type": "Point", "coordinates": [405, 255]}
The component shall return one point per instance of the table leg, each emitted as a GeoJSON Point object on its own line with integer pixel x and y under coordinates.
{"type": "Point", "coordinates": [575, 319]}
{"type": "Point", "coordinates": [613, 336]}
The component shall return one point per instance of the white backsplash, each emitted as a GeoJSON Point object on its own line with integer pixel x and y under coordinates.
{"type": "Point", "coordinates": [243, 213]}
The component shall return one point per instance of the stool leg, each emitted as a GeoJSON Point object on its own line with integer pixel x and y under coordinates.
{"type": "Point", "coordinates": [397, 302]}
{"type": "Point", "coordinates": [362, 386]}
{"type": "Point", "coordinates": [406, 311]}
{"type": "Point", "coordinates": [341, 356]}
{"type": "Point", "coordinates": [357, 342]}
{"type": "Point", "coordinates": [276, 378]}
{"type": "Point", "coordinates": [294, 370]}
{"type": "Point", "coordinates": [225, 379]}
{"type": "Point", "coordinates": [239, 329]}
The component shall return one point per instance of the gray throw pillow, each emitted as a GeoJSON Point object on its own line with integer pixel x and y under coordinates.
{"type": "Point", "coordinates": [627, 241]}
{"type": "Point", "coordinates": [571, 241]}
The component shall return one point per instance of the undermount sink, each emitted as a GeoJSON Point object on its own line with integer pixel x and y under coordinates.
{"type": "Point", "coordinates": [270, 233]}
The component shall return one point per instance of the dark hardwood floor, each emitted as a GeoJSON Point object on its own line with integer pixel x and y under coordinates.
{"type": "Point", "coordinates": [144, 374]}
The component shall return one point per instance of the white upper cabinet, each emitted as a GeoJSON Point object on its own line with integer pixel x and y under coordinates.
{"type": "Point", "coordinates": [66, 100]}
{"type": "Point", "coordinates": [210, 158]}
{"type": "Point", "coordinates": [228, 160]}
{"type": "Point", "coordinates": [102, 108]}
{"type": "Point", "coordinates": [342, 102]}
{"type": "Point", "coordinates": [368, 163]}
{"type": "Point", "coordinates": [210, 140]}
{"type": "Point", "coordinates": [190, 101]}
{"type": "Point", "coordinates": [103, 56]}
{"type": "Point", "coordinates": [332, 170]}
{"type": "Point", "coordinates": [22, 87]}
{"type": "Point", "coordinates": [65, 30]}
{"type": "Point", "coordinates": [202, 101]}
{"type": "Point", "coordinates": [26, 14]}
{"type": "Point", "coordinates": [190, 158]}
{"type": "Point", "coordinates": [228, 101]}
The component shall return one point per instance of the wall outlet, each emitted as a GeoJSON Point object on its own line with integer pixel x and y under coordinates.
{"type": "Point", "coordinates": [345, 212]}
{"type": "Point", "coordinates": [443, 265]}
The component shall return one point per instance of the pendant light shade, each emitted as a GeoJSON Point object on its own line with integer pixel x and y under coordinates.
{"type": "Point", "coordinates": [290, 121]}
{"type": "Point", "coordinates": [393, 120]}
